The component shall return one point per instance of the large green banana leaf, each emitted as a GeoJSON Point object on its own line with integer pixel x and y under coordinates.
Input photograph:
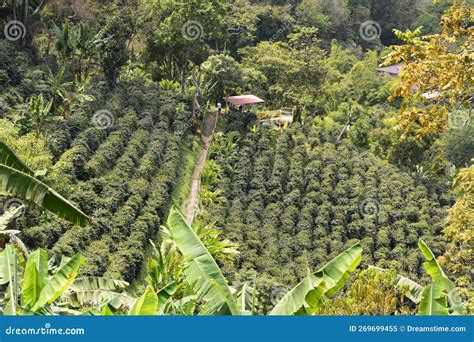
{"type": "Point", "coordinates": [202, 271]}
{"type": "Point", "coordinates": [59, 282]}
{"type": "Point", "coordinates": [9, 158]}
{"type": "Point", "coordinates": [307, 296]}
{"type": "Point", "coordinates": [439, 277]}
{"type": "Point", "coordinates": [25, 186]}
{"type": "Point", "coordinates": [10, 277]}
{"type": "Point", "coordinates": [146, 305]}
{"type": "Point", "coordinates": [93, 290]}
{"type": "Point", "coordinates": [35, 277]}
{"type": "Point", "coordinates": [433, 301]}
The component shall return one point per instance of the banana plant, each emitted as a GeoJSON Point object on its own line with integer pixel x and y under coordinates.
{"type": "Point", "coordinates": [439, 298]}
{"type": "Point", "coordinates": [19, 180]}
{"type": "Point", "coordinates": [307, 297]}
{"type": "Point", "coordinates": [37, 289]}
{"type": "Point", "coordinates": [7, 221]}
{"type": "Point", "coordinates": [93, 291]}
{"type": "Point", "coordinates": [146, 305]}
{"type": "Point", "coordinates": [204, 275]}
{"type": "Point", "coordinates": [33, 287]}
{"type": "Point", "coordinates": [201, 270]}
{"type": "Point", "coordinates": [410, 289]}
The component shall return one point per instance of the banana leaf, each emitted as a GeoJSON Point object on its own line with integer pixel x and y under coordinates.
{"type": "Point", "coordinates": [433, 301]}
{"type": "Point", "coordinates": [413, 289]}
{"type": "Point", "coordinates": [25, 186]}
{"type": "Point", "coordinates": [202, 271]}
{"type": "Point", "coordinates": [59, 282]}
{"type": "Point", "coordinates": [106, 311]}
{"type": "Point", "coordinates": [439, 277]}
{"type": "Point", "coordinates": [307, 296]}
{"type": "Point", "coordinates": [10, 277]}
{"type": "Point", "coordinates": [9, 158]}
{"type": "Point", "coordinates": [146, 305]}
{"type": "Point", "coordinates": [35, 276]}
{"type": "Point", "coordinates": [93, 290]}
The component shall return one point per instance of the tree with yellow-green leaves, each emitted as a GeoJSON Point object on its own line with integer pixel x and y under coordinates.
{"type": "Point", "coordinates": [459, 257]}
{"type": "Point", "coordinates": [436, 82]}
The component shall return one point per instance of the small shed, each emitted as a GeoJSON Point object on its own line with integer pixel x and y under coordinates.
{"type": "Point", "coordinates": [244, 100]}
{"type": "Point", "coordinates": [392, 70]}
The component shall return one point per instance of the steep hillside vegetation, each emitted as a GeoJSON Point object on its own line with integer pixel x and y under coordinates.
{"type": "Point", "coordinates": [292, 199]}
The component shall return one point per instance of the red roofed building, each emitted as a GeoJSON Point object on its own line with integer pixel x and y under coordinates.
{"type": "Point", "coordinates": [244, 100]}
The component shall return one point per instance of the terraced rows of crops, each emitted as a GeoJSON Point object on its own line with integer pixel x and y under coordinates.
{"type": "Point", "coordinates": [293, 200]}
{"type": "Point", "coordinates": [122, 177]}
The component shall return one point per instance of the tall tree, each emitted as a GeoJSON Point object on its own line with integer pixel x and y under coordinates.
{"type": "Point", "coordinates": [436, 82]}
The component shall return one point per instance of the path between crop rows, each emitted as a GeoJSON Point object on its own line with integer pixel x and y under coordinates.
{"type": "Point", "coordinates": [208, 129]}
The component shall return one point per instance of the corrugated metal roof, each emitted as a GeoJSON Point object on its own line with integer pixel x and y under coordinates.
{"type": "Point", "coordinates": [244, 100]}
{"type": "Point", "coordinates": [392, 69]}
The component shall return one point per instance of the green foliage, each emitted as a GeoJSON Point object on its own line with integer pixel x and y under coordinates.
{"type": "Point", "coordinates": [17, 179]}
{"type": "Point", "coordinates": [293, 200]}
{"type": "Point", "coordinates": [290, 199]}
{"type": "Point", "coordinates": [435, 297]}
{"type": "Point", "coordinates": [282, 64]}
{"type": "Point", "coordinates": [201, 269]}
{"type": "Point", "coordinates": [225, 75]}
{"type": "Point", "coordinates": [370, 293]}
{"type": "Point", "coordinates": [459, 256]}
{"type": "Point", "coordinates": [32, 290]}
{"type": "Point", "coordinates": [308, 295]}
{"type": "Point", "coordinates": [146, 305]}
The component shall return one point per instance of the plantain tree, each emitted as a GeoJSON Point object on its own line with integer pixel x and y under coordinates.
{"type": "Point", "coordinates": [17, 179]}
{"type": "Point", "coordinates": [307, 297]}
{"type": "Point", "coordinates": [208, 283]}
{"type": "Point", "coordinates": [438, 298]}
{"type": "Point", "coordinates": [33, 286]}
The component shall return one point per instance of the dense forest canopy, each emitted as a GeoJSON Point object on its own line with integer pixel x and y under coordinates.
{"type": "Point", "coordinates": [121, 159]}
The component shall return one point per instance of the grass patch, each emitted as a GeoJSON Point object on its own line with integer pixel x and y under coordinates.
{"type": "Point", "coordinates": [182, 188]}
